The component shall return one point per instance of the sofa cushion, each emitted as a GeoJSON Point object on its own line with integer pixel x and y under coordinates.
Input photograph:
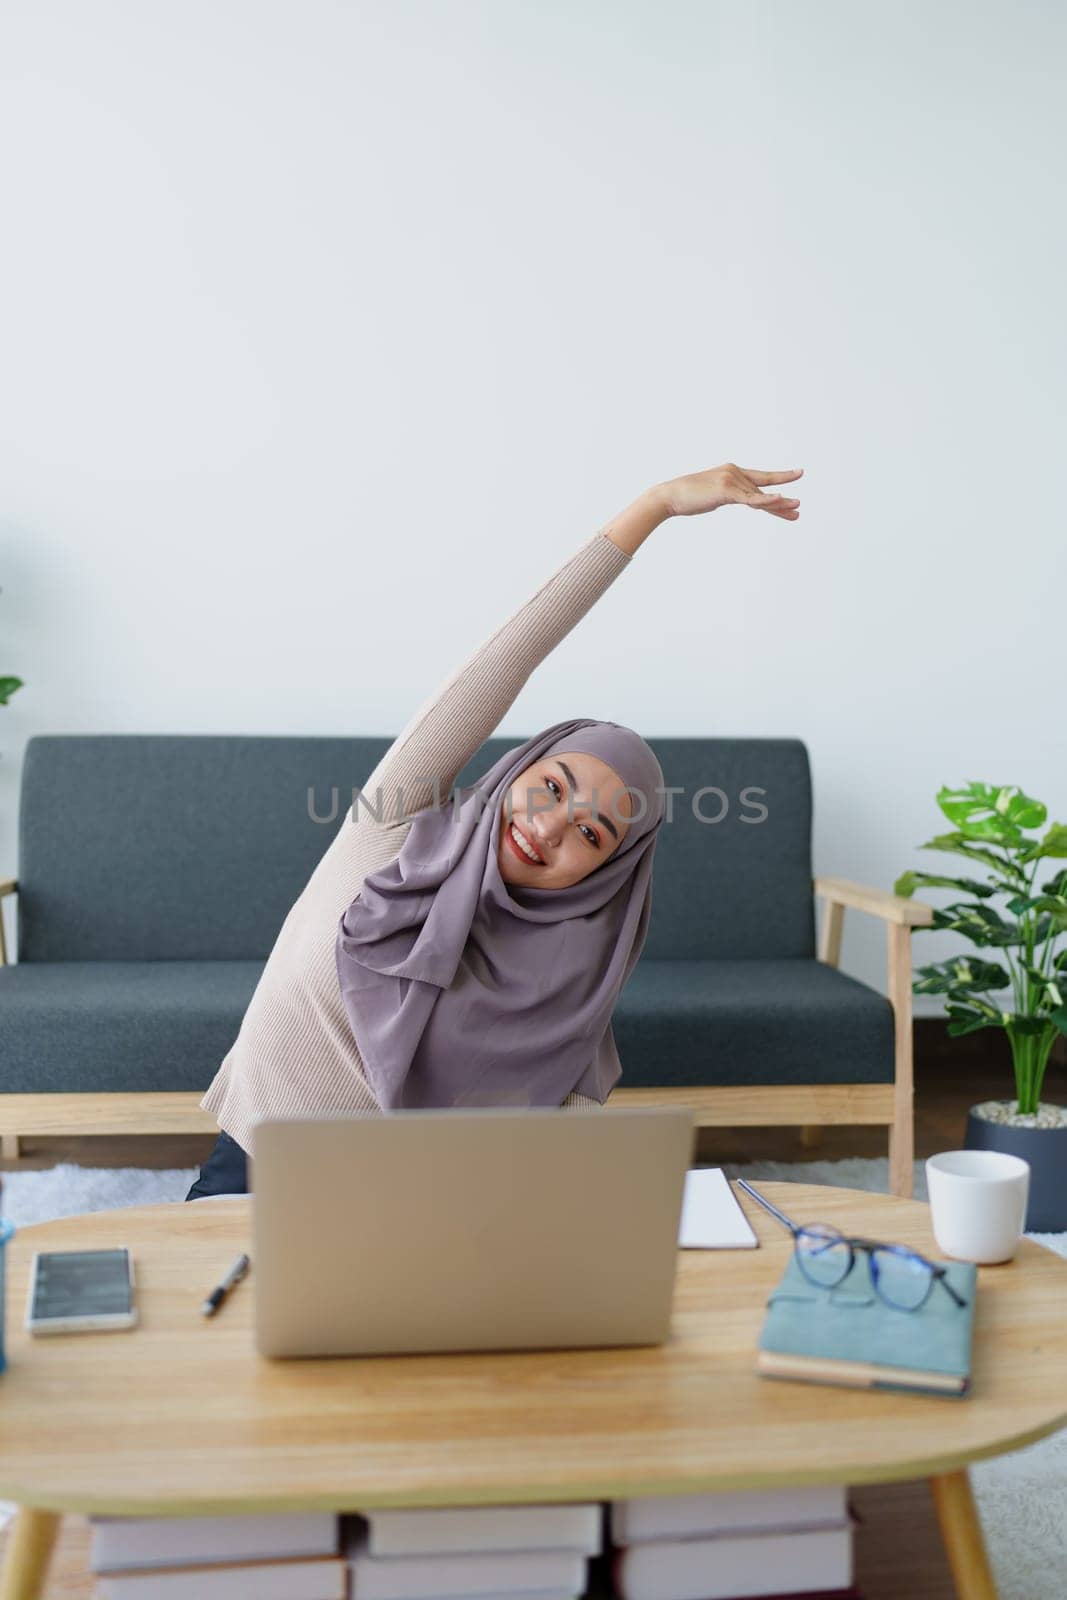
{"type": "Point", "coordinates": [80, 1026]}
{"type": "Point", "coordinates": [684, 1023]}
{"type": "Point", "coordinates": [83, 1026]}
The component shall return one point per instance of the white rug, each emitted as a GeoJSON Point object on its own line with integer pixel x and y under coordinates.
{"type": "Point", "coordinates": [1022, 1497]}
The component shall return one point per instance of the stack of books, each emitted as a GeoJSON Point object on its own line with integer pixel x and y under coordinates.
{"type": "Point", "coordinates": [538, 1552]}
{"type": "Point", "coordinates": [285, 1556]}
{"type": "Point", "coordinates": [737, 1545]}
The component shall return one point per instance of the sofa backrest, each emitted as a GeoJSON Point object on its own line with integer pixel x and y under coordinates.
{"type": "Point", "coordinates": [194, 847]}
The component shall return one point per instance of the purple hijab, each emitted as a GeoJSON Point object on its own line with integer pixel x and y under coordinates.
{"type": "Point", "coordinates": [464, 990]}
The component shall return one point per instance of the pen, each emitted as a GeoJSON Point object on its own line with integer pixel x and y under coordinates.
{"type": "Point", "coordinates": [217, 1296]}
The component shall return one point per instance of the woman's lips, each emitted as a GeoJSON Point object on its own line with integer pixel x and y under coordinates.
{"type": "Point", "coordinates": [519, 852]}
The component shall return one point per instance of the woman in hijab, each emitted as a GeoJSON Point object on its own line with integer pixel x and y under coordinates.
{"type": "Point", "coordinates": [483, 940]}
{"type": "Point", "coordinates": [482, 965]}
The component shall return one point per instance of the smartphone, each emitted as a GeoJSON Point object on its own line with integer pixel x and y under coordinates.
{"type": "Point", "coordinates": [80, 1291]}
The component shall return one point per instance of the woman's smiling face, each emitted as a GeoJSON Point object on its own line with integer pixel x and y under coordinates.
{"type": "Point", "coordinates": [570, 811]}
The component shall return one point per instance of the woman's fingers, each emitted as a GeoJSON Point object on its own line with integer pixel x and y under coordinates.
{"type": "Point", "coordinates": [779, 504]}
{"type": "Point", "coordinates": [772, 477]}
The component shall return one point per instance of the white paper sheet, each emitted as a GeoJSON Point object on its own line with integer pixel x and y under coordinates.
{"type": "Point", "coordinates": [711, 1216]}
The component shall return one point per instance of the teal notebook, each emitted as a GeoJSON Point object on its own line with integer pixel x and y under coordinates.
{"type": "Point", "coordinates": [847, 1335]}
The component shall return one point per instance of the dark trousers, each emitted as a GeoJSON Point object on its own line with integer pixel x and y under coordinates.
{"type": "Point", "coordinates": [224, 1172]}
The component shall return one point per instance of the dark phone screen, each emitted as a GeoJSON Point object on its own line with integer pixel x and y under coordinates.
{"type": "Point", "coordinates": [81, 1283]}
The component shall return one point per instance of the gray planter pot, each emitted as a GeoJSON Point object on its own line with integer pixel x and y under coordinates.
{"type": "Point", "coordinates": [1046, 1151]}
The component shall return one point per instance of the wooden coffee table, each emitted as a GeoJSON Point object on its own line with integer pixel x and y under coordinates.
{"type": "Point", "coordinates": [182, 1417]}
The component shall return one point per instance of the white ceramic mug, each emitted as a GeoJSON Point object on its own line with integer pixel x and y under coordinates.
{"type": "Point", "coordinates": [978, 1203]}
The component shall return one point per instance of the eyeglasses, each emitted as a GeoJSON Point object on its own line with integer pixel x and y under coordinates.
{"type": "Point", "coordinates": [899, 1275]}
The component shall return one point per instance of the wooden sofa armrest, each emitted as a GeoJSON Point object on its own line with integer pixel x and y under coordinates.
{"type": "Point", "coordinates": [7, 886]}
{"type": "Point", "coordinates": [879, 902]}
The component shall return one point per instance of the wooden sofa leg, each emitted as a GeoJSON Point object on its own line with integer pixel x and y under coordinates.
{"type": "Point", "coordinates": [810, 1135]}
{"type": "Point", "coordinates": [902, 1132]}
{"type": "Point", "coordinates": [9, 1147]}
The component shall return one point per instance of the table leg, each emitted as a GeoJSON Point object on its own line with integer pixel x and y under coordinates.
{"type": "Point", "coordinates": [29, 1550]}
{"type": "Point", "coordinates": [962, 1533]}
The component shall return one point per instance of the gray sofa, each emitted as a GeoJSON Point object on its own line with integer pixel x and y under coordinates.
{"type": "Point", "coordinates": [156, 870]}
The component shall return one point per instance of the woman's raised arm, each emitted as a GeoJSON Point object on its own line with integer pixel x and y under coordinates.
{"type": "Point", "coordinates": [422, 763]}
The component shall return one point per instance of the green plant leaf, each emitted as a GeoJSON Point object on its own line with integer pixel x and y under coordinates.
{"type": "Point", "coordinates": [1058, 884]}
{"type": "Point", "coordinates": [955, 844]}
{"type": "Point", "coordinates": [1054, 843]}
{"type": "Point", "coordinates": [963, 1020]}
{"type": "Point", "coordinates": [7, 689]}
{"type": "Point", "coordinates": [1059, 1017]}
{"type": "Point", "coordinates": [981, 924]}
{"type": "Point", "coordinates": [908, 882]}
{"type": "Point", "coordinates": [1020, 1025]}
{"type": "Point", "coordinates": [959, 974]}
{"type": "Point", "coordinates": [1056, 906]}
{"type": "Point", "coordinates": [985, 811]}
{"type": "Point", "coordinates": [1051, 990]}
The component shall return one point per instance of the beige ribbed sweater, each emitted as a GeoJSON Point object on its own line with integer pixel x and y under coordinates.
{"type": "Point", "coordinates": [295, 1054]}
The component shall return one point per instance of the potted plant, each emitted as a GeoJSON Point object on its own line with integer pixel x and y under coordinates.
{"type": "Point", "coordinates": [991, 828]}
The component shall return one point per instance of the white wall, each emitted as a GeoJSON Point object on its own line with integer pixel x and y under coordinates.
{"type": "Point", "coordinates": [330, 330]}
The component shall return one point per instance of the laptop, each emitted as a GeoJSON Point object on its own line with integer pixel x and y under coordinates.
{"type": "Point", "coordinates": [485, 1228]}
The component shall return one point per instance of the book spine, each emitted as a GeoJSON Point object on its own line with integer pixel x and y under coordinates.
{"type": "Point", "coordinates": [122, 1542]}
{"type": "Point", "coordinates": [746, 1565]}
{"type": "Point", "coordinates": [726, 1512]}
{"type": "Point", "coordinates": [502, 1529]}
{"type": "Point", "coordinates": [856, 1374]}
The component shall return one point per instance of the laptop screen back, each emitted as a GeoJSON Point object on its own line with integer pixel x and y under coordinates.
{"type": "Point", "coordinates": [480, 1229]}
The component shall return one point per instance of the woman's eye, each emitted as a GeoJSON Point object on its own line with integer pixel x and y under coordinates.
{"type": "Point", "coordinates": [554, 787]}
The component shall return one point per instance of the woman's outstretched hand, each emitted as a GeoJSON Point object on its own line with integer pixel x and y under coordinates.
{"type": "Point", "coordinates": [729, 485]}
{"type": "Point", "coordinates": [700, 491]}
